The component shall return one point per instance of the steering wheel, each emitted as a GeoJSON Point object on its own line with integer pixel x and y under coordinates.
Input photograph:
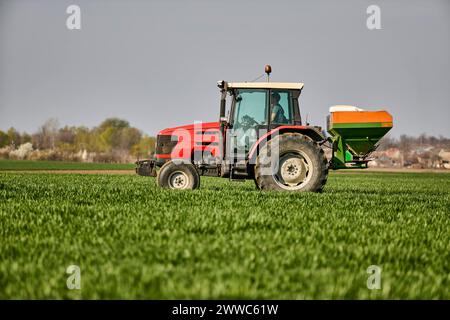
{"type": "Point", "coordinates": [247, 121]}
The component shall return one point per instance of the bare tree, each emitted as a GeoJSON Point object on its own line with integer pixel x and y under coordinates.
{"type": "Point", "coordinates": [46, 136]}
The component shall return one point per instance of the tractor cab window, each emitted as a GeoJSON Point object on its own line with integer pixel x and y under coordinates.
{"type": "Point", "coordinates": [280, 107]}
{"type": "Point", "coordinates": [250, 108]}
{"type": "Point", "coordinates": [250, 112]}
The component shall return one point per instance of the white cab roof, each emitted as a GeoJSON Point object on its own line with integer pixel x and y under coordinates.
{"type": "Point", "coordinates": [266, 85]}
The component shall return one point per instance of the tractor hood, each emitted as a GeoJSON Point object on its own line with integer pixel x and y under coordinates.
{"type": "Point", "coordinates": [201, 126]}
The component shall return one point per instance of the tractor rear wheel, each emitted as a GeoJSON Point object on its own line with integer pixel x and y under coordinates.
{"type": "Point", "coordinates": [299, 165]}
{"type": "Point", "coordinates": [178, 176]}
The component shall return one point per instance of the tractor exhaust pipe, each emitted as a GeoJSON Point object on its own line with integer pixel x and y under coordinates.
{"type": "Point", "coordinates": [223, 85]}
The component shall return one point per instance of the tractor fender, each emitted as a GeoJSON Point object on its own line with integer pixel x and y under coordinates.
{"type": "Point", "coordinates": [311, 132]}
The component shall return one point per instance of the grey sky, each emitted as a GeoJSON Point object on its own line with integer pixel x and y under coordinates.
{"type": "Point", "coordinates": [155, 63]}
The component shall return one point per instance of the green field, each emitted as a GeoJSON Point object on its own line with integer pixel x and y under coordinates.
{"type": "Point", "coordinates": [22, 165]}
{"type": "Point", "coordinates": [226, 240]}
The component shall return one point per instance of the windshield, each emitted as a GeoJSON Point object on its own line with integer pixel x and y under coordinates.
{"type": "Point", "coordinates": [250, 109]}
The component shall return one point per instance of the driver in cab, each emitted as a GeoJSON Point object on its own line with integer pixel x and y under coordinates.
{"type": "Point", "coordinates": [277, 114]}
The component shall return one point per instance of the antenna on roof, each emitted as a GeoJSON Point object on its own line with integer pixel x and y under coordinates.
{"type": "Point", "coordinates": [268, 70]}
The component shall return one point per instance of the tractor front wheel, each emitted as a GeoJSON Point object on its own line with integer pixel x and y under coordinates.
{"type": "Point", "coordinates": [178, 176]}
{"type": "Point", "coordinates": [291, 162]}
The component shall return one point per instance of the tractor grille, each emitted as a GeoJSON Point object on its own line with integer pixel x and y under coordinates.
{"type": "Point", "coordinates": [164, 144]}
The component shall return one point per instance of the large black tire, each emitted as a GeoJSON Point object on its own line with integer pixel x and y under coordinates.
{"type": "Point", "coordinates": [300, 164]}
{"type": "Point", "coordinates": [178, 176]}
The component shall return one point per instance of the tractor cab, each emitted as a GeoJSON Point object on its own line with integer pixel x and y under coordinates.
{"type": "Point", "coordinates": [257, 108]}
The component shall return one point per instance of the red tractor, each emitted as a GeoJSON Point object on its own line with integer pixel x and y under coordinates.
{"type": "Point", "coordinates": [263, 138]}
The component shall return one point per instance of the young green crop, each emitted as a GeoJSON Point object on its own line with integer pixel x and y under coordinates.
{"type": "Point", "coordinates": [225, 240]}
{"type": "Point", "coordinates": [61, 165]}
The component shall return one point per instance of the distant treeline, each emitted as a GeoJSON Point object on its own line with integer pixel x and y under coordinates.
{"type": "Point", "coordinates": [407, 143]}
{"type": "Point", "coordinates": [114, 140]}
